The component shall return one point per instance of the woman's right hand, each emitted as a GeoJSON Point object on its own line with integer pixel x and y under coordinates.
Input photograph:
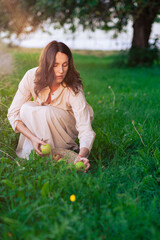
{"type": "Point", "coordinates": [36, 142]}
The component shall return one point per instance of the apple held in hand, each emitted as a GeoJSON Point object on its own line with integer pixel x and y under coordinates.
{"type": "Point", "coordinates": [45, 149]}
{"type": "Point", "coordinates": [80, 166]}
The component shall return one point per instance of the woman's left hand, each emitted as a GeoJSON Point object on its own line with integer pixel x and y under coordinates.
{"type": "Point", "coordinates": [84, 160]}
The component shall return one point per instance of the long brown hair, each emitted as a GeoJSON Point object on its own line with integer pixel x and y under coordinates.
{"type": "Point", "coordinates": [45, 74]}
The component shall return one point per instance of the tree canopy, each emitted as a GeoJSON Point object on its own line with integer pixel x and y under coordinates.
{"type": "Point", "coordinates": [16, 16]}
{"type": "Point", "coordinates": [26, 15]}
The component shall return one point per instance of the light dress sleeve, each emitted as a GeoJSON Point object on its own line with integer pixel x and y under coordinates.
{"type": "Point", "coordinates": [84, 115]}
{"type": "Point", "coordinates": [22, 95]}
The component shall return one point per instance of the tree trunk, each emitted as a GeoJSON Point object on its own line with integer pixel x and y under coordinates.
{"type": "Point", "coordinates": [141, 32]}
{"type": "Point", "coordinates": [142, 25]}
{"type": "Point", "coordinates": [141, 53]}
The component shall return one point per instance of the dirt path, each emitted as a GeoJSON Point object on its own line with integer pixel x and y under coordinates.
{"type": "Point", "coordinates": [6, 61]}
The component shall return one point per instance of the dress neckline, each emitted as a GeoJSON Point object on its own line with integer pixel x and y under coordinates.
{"type": "Point", "coordinates": [53, 91]}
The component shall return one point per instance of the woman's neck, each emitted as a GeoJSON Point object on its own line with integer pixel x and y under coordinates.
{"type": "Point", "coordinates": [54, 87]}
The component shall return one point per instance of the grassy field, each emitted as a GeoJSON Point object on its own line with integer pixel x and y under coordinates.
{"type": "Point", "coordinates": [118, 198]}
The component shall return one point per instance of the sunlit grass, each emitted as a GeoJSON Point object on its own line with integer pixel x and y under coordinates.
{"type": "Point", "coordinates": [118, 198]}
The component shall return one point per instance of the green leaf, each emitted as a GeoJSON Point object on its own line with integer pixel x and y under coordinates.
{"type": "Point", "coordinates": [45, 189]}
{"type": "Point", "coordinates": [157, 156]}
{"type": "Point", "coordinates": [10, 221]}
{"type": "Point", "coordinates": [8, 183]}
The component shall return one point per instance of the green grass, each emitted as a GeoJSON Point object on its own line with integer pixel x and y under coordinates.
{"type": "Point", "coordinates": [118, 198]}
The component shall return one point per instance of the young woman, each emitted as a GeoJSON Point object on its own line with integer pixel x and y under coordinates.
{"type": "Point", "coordinates": [50, 106]}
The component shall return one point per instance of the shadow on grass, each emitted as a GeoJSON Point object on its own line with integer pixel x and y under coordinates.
{"type": "Point", "coordinates": [130, 59]}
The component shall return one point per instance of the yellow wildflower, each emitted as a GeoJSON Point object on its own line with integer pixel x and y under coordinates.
{"type": "Point", "coordinates": [72, 198]}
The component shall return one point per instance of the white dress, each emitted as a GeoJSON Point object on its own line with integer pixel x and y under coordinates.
{"type": "Point", "coordinates": [59, 123]}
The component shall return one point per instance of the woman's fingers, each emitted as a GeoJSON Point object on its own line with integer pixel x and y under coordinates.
{"type": "Point", "coordinates": [42, 142]}
{"type": "Point", "coordinates": [36, 142]}
{"type": "Point", "coordinates": [38, 151]}
{"type": "Point", "coordinates": [88, 166]}
{"type": "Point", "coordinates": [85, 161]}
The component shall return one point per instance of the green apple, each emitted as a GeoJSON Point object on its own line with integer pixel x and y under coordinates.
{"type": "Point", "coordinates": [45, 149]}
{"type": "Point", "coordinates": [62, 160]}
{"type": "Point", "coordinates": [80, 166]}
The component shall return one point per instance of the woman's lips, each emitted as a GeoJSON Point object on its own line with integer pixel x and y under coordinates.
{"type": "Point", "coordinates": [60, 76]}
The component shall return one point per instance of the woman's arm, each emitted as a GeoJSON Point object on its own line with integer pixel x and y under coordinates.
{"type": "Point", "coordinates": [83, 116]}
{"type": "Point", "coordinates": [36, 142]}
{"type": "Point", "coordinates": [83, 124]}
{"type": "Point", "coordinates": [22, 95]}
{"type": "Point", "coordinates": [84, 152]}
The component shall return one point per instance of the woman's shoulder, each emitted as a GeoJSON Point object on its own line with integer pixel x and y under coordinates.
{"type": "Point", "coordinates": [75, 93]}
{"type": "Point", "coordinates": [32, 71]}
{"type": "Point", "coordinates": [75, 98]}
{"type": "Point", "coordinates": [28, 79]}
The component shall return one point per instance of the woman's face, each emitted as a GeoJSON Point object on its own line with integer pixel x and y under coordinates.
{"type": "Point", "coordinates": [60, 67]}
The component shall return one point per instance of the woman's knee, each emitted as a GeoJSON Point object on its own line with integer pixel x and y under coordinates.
{"type": "Point", "coordinates": [23, 110]}
{"type": "Point", "coordinates": [26, 108]}
{"type": "Point", "coordinates": [51, 112]}
{"type": "Point", "coordinates": [54, 113]}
